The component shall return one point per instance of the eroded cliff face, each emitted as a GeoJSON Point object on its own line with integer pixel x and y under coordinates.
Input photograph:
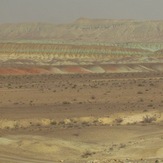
{"type": "Point", "coordinates": [85, 46]}
{"type": "Point", "coordinates": [61, 54]}
{"type": "Point", "coordinates": [30, 58]}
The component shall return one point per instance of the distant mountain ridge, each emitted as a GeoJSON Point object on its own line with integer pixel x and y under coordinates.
{"type": "Point", "coordinates": [86, 30]}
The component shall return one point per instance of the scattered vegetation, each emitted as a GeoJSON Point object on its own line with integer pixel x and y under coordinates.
{"type": "Point", "coordinates": [66, 102]}
{"type": "Point", "coordinates": [118, 120]}
{"type": "Point", "coordinates": [149, 119]}
{"type": "Point", "coordinates": [87, 154]}
{"type": "Point", "coordinates": [53, 122]}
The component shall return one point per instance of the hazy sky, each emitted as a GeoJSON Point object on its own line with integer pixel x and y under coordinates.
{"type": "Point", "coordinates": [60, 11]}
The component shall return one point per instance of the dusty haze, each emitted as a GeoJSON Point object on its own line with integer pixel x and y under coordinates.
{"type": "Point", "coordinates": [61, 11]}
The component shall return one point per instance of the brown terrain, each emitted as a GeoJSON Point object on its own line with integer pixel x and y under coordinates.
{"type": "Point", "coordinates": [86, 92]}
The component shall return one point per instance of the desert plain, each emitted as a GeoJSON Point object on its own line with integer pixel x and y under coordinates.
{"type": "Point", "coordinates": [81, 118]}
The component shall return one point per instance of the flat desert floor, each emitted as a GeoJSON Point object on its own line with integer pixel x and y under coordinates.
{"type": "Point", "coordinates": [93, 118]}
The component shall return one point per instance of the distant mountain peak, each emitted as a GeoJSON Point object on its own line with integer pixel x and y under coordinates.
{"type": "Point", "coordinates": [83, 20]}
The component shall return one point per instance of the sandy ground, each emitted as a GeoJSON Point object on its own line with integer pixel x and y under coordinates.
{"type": "Point", "coordinates": [91, 118]}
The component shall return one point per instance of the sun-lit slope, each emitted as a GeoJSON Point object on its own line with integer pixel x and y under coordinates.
{"type": "Point", "coordinates": [87, 30]}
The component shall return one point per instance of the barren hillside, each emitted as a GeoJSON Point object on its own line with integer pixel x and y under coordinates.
{"type": "Point", "coordinates": [81, 56]}
{"type": "Point", "coordinates": [87, 30]}
{"type": "Point", "coordinates": [84, 46]}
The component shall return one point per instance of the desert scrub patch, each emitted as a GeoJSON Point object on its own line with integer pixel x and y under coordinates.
{"type": "Point", "coordinates": [53, 122]}
{"type": "Point", "coordinates": [139, 92]}
{"type": "Point", "coordinates": [149, 119]}
{"type": "Point", "coordinates": [66, 102]}
{"type": "Point", "coordinates": [87, 154]}
{"type": "Point", "coordinates": [122, 146]}
{"type": "Point", "coordinates": [93, 97]}
{"type": "Point", "coordinates": [84, 123]}
{"type": "Point", "coordinates": [118, 120]}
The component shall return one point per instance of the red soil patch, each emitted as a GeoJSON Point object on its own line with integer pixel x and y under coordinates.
{"type": "Point", "coordinates": [74, 69]}
{"type": "Point", "coordinates": [10, 71]}
{"type": "Point", "coordinates": [36, 71]}
{"type": "Point", "coordinates": [20, 71]}
{"type": "Point", "coordinates": [113, 68]}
